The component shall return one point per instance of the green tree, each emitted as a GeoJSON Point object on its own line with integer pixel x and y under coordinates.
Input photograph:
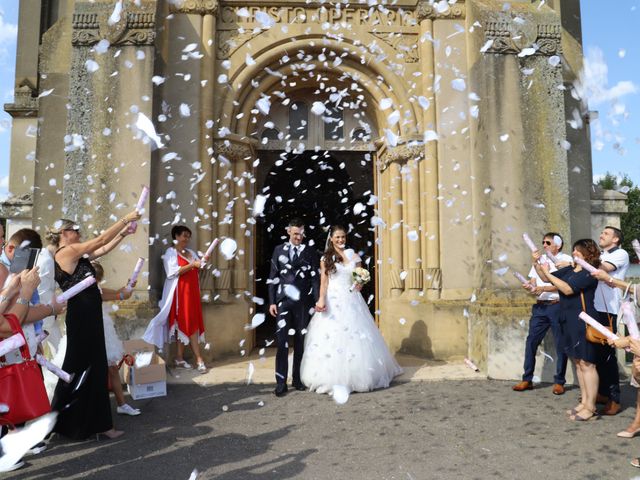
{"type": "Point", "coordinates": [630, 221]}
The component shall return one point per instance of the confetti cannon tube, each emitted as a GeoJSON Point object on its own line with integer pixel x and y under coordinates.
{"type": "Point", "coordinates": [529, 242]}
{"type": "Point", "coordinates": [10, 344]}
{"type": "Point", "coordinates": [76, 289]}
{"type": "Point", "coordinates": [588, 267]}
{"type": "Point", "coordinates": [598, 326]}
{"type": "Point", "coordinates": [57, 371]}
{"type": "Point", "coordinates": [210, 249]}
{"type": "Point", "coordinates": [134, 275]}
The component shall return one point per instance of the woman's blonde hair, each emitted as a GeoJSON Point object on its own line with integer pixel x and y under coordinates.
{"type": "Point", "coordinates": [52, 235]}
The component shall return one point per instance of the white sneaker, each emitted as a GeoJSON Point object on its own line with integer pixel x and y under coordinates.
{"type": "Point", "coordinates": [127, 409]}
{"type": "Point", "coordinates": [37, 448]}
{"type": "Point", "coordinates": [182, 364]}
{"type": "Point", "coordinates": [202, 367]}
{"type": "Point", "coordinates": [13, 467]}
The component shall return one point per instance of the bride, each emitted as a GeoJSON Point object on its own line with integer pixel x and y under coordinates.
{"type": "Point", "coordinates": [343, 346]}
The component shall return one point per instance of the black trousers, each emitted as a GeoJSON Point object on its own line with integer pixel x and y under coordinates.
{"type": "Point", "coordinates": [607, 367]}
{"type": "Point", "coordinates": [291, 315]}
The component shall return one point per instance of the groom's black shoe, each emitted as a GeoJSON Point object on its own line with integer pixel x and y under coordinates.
{"type": "Point", "coordinates": [281, 390]}
{"type": "Point", "coordinates": [299, 386]}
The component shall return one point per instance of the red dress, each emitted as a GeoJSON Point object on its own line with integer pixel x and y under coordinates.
{"type": "Point", "coordinates": [186, 309]}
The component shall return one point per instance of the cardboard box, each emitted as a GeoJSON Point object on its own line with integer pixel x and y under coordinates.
{"type": "Point", "coordinates": [149, 381]}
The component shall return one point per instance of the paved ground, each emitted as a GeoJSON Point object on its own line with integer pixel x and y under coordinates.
{"type": "Point", "coordinates": [454, 429]}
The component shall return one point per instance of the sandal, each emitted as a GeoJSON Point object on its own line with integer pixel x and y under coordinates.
{"type": "Point", "coordinates": [578, 418]}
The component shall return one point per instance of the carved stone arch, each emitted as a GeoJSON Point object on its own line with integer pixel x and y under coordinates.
{"type": "Point", "coordinates": [378, 81]}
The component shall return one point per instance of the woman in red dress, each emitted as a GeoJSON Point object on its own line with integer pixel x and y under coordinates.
{"type": "Point", "coordinates": [180, 307]}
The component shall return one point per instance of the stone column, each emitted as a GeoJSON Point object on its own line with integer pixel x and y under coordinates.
{"type": "Point", "coordinates": [105, 166]}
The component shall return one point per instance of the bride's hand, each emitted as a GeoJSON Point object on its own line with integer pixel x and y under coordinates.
{"type": "Point", "coordinates": [358, 287]}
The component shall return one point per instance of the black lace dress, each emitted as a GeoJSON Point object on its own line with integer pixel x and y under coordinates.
{"type": "Point", "coordinates": [86, 411]}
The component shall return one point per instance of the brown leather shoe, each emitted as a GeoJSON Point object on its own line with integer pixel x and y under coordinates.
{"type": "Point", "coordinates": [611, 408]}
{"type": "Point", "coordinates": [558, 389]}
{"type": "Point", "coordinates": [522, 386]}
{"type": "Point", "coordinates": [602, 399]}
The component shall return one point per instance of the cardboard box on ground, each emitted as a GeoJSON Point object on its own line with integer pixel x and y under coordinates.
{"type": "Point", "coordinates": [145, 382]}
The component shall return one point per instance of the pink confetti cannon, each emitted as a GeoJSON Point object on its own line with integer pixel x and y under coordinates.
{"type": "Point", "coordinates": [588, 267]}
{"type": "Point", "coordinates": [598, 326]}
{"type": "Point", "coordinates": [636, 247]}
{"type": "Point", "coordinates": [42, 336]}
{"type": "Point", "coordinates": [471, 365]}
{"type": "Point", "coordinates": [552, 258]}
{"type": "Point", "coordinates": [522, 280]}
{"type": "Point", "coordinates": [629, 320]}
{"type": "Point", "coordinates": [134, 275]}
{"type": "Point", "coordinates": [76, 289]}
{"type": "Point", "coordinates": [10, 344]}
{"type": "Point", "coordinates": [529, 242]}
{"type": "Point", "coordinates": [57, 371]}
{"type": "Point", "coordinates": [143, 198]}
{"type": "Point", "coordinates": [209, 251]}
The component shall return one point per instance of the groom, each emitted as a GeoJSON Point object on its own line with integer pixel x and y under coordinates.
{"type": "Point", "coordinates": [294, 288]}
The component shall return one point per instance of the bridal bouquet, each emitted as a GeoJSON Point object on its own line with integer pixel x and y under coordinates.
{"type": "Point", "coordinates": [360, 277]}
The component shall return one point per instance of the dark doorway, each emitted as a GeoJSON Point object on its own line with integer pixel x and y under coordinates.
{"type": "Point", "coordinates": [321, 188]}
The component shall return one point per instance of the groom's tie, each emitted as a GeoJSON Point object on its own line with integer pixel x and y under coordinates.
{"type": "Point", "coordinates": [295, 254]}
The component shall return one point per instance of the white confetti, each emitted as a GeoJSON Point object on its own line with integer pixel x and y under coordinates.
{"type": "Point", "coordinates": [185, 111]}
{"type": "Point", "coordinates": [392, 138]}
{"type": "Point", "coordinates": [228, 248]}
{"type": "Point", "coordinates": [504, 138]}
{"type": "Point", "coordinates": [146, 126]}
{"type": "Point", "coordinates": [292, 292]}
{"type": "Point", "coordinates": [116, 14]}
{"type": "Point", "coordinates": [385, 103]}
{"type": "Point", "coordinates": [259, 204]}
{"type": "Point", "coordinates": [264, 19]}
{"type": "Point", "coordinates": [554, 60]}
{"type": "Point", "coordinates": [250, 370]}
{"type": "Point", "coordinates": [458, 84]}
{"type": "Point", "coordinates": [393, 118]}
{"type": "Point", "coordinates": [318, 108]}
{"type": "Point", "coordinates": [102, 46]}
{"type": "Point", "coordinates": [423, 102]}
{"type": "Point", "coordinates": [264, 105]}
{"type": "Point", "coordinates": [91, 66]}
{"type": "Point", "coordinates": [430, 136]}
{"type": "Point", "coordinates": [413, 235]}
{"type": "Point", "coordinates": [340, 394]}
{"type": "Point", "coordinates": [402, 321]}
{"type": "Point", "coordinates": [487, 45]}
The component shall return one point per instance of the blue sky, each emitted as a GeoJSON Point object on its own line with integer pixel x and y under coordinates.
{"type": "Point", "coordinates": [611, 42]}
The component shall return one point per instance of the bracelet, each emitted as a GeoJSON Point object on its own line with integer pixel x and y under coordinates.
{"type": "Point", "coordinates": [4, 298]}
{"type": "Point", "coordinates": [22, 301]}
{"type": "Point", "coordinates": [53, 310]}
{"type": "Point", "coordinates": [122, 234]}
{"type": "Point", "coordinates": [121, 295]}
{"type": "Point", "coordinates": [126, 222]}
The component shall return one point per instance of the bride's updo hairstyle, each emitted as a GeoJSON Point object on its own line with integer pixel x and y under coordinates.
{"type": "Point", "coordinates": [52, 235]}
{"type": "Point", "coordinates": [330, 254]}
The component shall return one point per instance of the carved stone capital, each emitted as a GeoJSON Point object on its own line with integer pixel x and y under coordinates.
{"type": "Point", "coordinates": [433, 278]}
{"type": "Point", "coordinates": [195, 7]}
{"type": "Point", "coordinates": [134, 27]}
{"type": "Point", "coordinates": [401, 154]}
{"type": "Point", "coordinates": [25, 103]}
{"type": "Point", "coordinates": [233, 150]}
{"type": "Point", "coordinates": [17, 206]}
{"type": "Point", "coordinates": [424, 11]}
{"type": "Point", "coordinates": [509, 38]}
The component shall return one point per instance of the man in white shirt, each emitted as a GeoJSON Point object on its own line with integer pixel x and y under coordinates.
{"type": "Point", "coordinates": [544, 315]}
{"type": "Point", "coordinates": [615, 261]}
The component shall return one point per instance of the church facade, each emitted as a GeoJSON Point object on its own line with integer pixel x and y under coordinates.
{"type": "Point", "coordinates": [437, 132]}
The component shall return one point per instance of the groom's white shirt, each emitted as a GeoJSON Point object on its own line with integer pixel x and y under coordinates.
{"type": "Point", "coordinates": [290, 247]}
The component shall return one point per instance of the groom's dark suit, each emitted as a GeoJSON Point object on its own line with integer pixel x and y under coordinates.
{"type": "Point", "coordinates": [300, 271]}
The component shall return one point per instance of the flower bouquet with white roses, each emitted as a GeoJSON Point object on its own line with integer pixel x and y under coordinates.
{"type": "Point", "coordinates": [360, 276]}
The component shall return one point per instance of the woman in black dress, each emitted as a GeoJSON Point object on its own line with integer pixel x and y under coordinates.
{"type": "Point", "coordinates": [87, 411]}
{"type": "Point", "coordinates": [577, 289]}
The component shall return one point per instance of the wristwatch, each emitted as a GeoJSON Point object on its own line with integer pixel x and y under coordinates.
{"type": "Point", "coordinates": [22, 301]}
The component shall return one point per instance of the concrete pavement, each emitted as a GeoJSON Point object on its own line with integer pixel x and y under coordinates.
{"type": "Point", "coordinates": [418, 429]}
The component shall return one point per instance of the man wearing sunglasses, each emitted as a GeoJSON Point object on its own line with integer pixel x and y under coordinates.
{"type": "Point", "coordinates": [544, 315]}
{"type": "Point", "coordinates": [615, 261]}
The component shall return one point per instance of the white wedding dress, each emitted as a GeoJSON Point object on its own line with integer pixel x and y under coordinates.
{"type": "Point", "coordinates": [343, 346]}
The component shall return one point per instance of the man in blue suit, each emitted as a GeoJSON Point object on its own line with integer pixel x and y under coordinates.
{"type": "Point", "coordinates": [294, 288]}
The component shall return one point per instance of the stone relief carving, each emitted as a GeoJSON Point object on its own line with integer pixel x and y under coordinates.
{"type": "Point", "coordinates": [510, 39]}
{"type": "Point", "coordinates": [231, 40]}
{"type": "Point", "coordinates": [424, 11]}
{"type": "Point", "coordinates": [403, 43]}
{"type": "Point", "coordinates": [134, 28]}
{"type": "Point", "coordinates": [25, 102]}
{"type": "Point", "coordinates": [195, 7]}
{"type": "Point", "coordinates": [401, 154]}
{"type": "Point", "coordinates": [232, 150]}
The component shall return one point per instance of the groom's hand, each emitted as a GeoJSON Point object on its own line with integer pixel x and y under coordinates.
{"type": "Point", "coordinates": [273, 310]}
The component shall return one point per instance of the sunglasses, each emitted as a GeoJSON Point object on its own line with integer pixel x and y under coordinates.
{"type": "Point", "coordinates": [546, 242]}
{"type": "Point", "coordinates": [72, 229]}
